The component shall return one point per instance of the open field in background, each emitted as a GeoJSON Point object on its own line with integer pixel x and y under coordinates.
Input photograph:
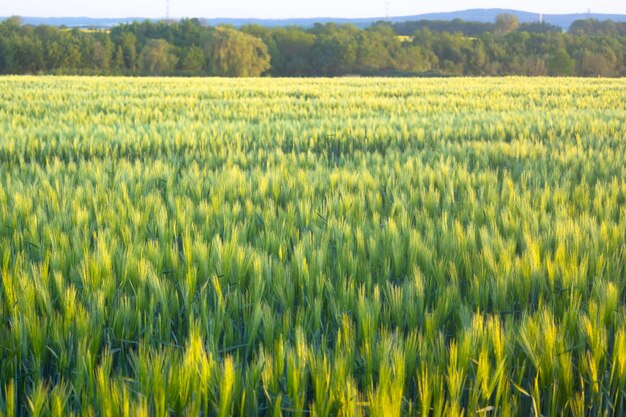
{"type": "Point", "coordinates": [346, 247]}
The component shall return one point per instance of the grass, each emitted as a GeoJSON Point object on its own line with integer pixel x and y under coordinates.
{"type": "Point", "coordinates": [343, 247]}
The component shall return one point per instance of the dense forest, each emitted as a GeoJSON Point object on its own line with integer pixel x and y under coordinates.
{"type": "Point", "coordinates": [189, 48]}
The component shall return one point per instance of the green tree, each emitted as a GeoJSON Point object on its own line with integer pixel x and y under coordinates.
{"type": "Point", "coordinates": [193, 60]}
{"type": "Point", "coordinates": [598, 64]}
{"type": "Point", "coordinates": [451, 51]}
{"type": "Point", "coordinates": [527, 65]}
{"type": "Point", "coordinates": [267, 35]}
{"type": "Point", "coordinates": [475, 57]}
{"type": "Point", "coordinates": [99, 53]}
{"type": "Point", "coordinates": [335, 50]}
{"type": "Point", "coordinates": [412, 58]}
{"type": "Point", "coordinates": [63, 56]}
{"type": "Point", "coordinates": [375, 49]}
{"type": "Point", "coordinates": [13, 23]}
{"type": "Point", "coordinates": [506, 23]}
{"type": "Point", "coordinates": [22, 54]}
{"type": "Point", "coordinates": [294, 49]}
{"type": "Point", "coordinates": [157, 57]}
{"type": "Point", "coordinates": [128, 43]}
{"type": "Point", "coordinates": [118, 60]}
{"type": "Point", "coordinates": [236, 54]}
{"type": "Point", "coordinates": [560, 63]}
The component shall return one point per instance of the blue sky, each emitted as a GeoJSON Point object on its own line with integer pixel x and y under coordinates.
{"type": "Point", "coordinates": [287, 8]}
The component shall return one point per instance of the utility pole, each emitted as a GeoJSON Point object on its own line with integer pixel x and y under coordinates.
{"type": "Point", "coordinates": [387, 10]}
{"type": "Point", "coordinates": [167, 9]}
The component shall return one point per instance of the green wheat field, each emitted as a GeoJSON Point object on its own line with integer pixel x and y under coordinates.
{"type": "Point", "coordinates": [312, 247]}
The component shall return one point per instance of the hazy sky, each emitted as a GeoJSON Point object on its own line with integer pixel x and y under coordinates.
{"type": "Point", "coordinates": [287, 8]}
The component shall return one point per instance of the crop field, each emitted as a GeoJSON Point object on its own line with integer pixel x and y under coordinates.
{"type": "Point", "coordinates": [312, 247]}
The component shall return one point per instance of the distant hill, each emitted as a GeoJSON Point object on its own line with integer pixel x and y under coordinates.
{"type": "Point", "coordinates": [472, 15]}
{"type": "Point", "coordinates": [79, 21]}
{"type": "Point", "coordinates": [489, 15]}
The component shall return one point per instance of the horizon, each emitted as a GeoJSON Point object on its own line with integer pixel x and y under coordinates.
{"type": "Point", "coordinates": [394, 16]}
{"type": "Point", "coordinates": [281, 9]}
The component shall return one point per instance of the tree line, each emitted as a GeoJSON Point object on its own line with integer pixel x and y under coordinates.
{"type": "Point", "coordinates": [189, 48]}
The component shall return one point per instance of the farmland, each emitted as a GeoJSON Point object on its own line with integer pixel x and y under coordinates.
{"type": "Point", "coordinates": [324, 247]}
